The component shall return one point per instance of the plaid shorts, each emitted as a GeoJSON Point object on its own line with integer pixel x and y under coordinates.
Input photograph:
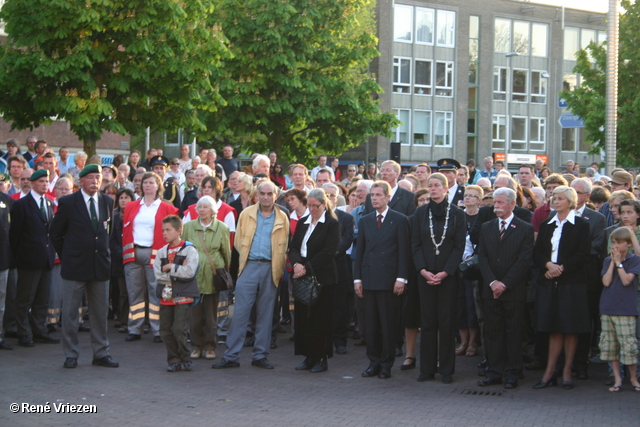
{"type": "Point", "coordinates": [618, 339]}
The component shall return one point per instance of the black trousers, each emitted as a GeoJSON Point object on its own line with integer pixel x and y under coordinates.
{"type": "Point", "coordinates": [32, 301]}
{"type": "Point", "coordinates": [381, 312]}
{"type": "Point", "coordinates": [503, 322]}
{"type": "Point", "coordinates": [340, 295]}
{"type": "Point", "coordinates": [438, 308]}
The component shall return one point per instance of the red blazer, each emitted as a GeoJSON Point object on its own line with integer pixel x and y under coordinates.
{"type": "Point", "coordinates": [128, 250]}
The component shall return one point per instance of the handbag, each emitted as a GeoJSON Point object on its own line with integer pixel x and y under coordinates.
{"type": "Point", "coordinates": [222, 280]}
{"type": "Point", "coordinates": [306, 289]}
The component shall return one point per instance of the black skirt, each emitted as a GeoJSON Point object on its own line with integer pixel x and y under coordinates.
{"type": "Point", "coordinates": [562, 308]}
{"type": "Point", "coordinates": [314, 326]}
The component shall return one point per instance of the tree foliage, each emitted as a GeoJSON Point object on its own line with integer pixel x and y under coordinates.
{"type": "Point", "coordinates": [115, 65]}
{"type": "Point", "coordinates": [589, 99]}
{"type": "Point", "coordinates": [298, 81]}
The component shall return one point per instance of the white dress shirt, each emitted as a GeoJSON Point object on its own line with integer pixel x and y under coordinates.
{"type": "Point", "coordinates": [312, 226]}
{"type": "Point", "coordinates": [557, 233]}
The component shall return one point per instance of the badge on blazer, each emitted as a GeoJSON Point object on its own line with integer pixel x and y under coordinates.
{"type": "Point", "coordinates": [2, 205]}
{"type": "Point", "coordinates": [512, 225]}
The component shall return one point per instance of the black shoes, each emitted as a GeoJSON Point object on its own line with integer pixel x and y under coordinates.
{"type": "Point", "coordinates": [105, 361]}
{"type": "Point", "coordinates": [133, 337]}
{"type": "Point", "coordinates": [581, 374]}
{"type": "Point", "coordinates": [544, 384]}
{"type": "Point", "coordinates": [447, 379]}
{"type": "Point", "coordinates": [341, 349]}
{"type": "Point", "coordinates": [5, 346]}
{"type": "Point", "coordinates": [412, 365]}
{"type": "Point", "coordinates": [385, 374]}
{"type": "Point", "coordinates": [70, 362]}
{"type": "Point", "coordinates": [83, 328]}
{"type": "Point", "coordinates": [487, 381]}
{"type": "Point", "coordinates": [157, 339]}
{"type": "Point", "coordinates": [511, 383]}
{"type": "Point", "coordinates": [225, 363]}
{"type": "Point", "coordinates": [320, 366]}
{"type": "Point", "coordinates": [262, 363]}
{"type": "Point", "coordinates": [567, 385]}
{"type": "Point", "coordinates": [483, 364]}
{"type": "Point", "coordinates": [273, 344]}
{"type": "Point", "coordinates": [371, 371]}
{"type": "Point", "coordinates": [399, 352]}
{"type": "Point", "coordinates": [306, 365]}
{"type": "Point", "coordinates": [25, 342]}
{"type": "Point", "coordinates": [46, 339]}
{"type": "Point", "coordinates": [425, 377]}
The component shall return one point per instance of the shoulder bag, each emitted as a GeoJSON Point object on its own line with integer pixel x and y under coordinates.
{"type": "Point", "coordinates": [306, 289]}
{"type": "Point", "coordinates": [222, 280]}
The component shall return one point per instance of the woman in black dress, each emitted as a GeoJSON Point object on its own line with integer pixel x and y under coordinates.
{"type": "Point", "coordinates": [438, 239]}
{"type": "Point", "coordinates": [313, 251]}
{"type": "Point", "coordinates": [562, 307]}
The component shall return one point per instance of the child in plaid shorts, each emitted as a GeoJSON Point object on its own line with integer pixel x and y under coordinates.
{"type": "Point", "coordinates": [618, 309]}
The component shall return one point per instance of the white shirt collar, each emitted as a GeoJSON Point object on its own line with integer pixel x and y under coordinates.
{"type": "Point", "coordinates": [394, 190]}
{"type": "Point", "coordinates": [508, 220]}
{"type": "Point", "coordinates": [384, 214]}
{"type": "Point", "coordinates": [581, 210]}
{"type": "Point", "coordinates": [87, 197]}
{"type": "Point", "coordinates": [452, 191]}
{"type": "Point", "coordinates": [156, 202]}
{"type": "Point", "coordinates": [294, 214]}
{"type": "Point", "coordinates": [37, 197]}
{"type": "Point", "coordinates": [309, 218]}
{"type": "Point", "coordinates": [571, 217]}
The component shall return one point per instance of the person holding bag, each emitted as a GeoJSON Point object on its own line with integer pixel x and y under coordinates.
{"type": "Point", "coordinates": [210, 237]}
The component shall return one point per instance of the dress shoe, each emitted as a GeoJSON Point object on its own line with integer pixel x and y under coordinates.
{"type": "Point", "coordinates": [544, 384]}
{"type": "Point", "coordinates": [46, 339]}
{"type": "Point", "coordinates": [399, 352]}
{"type": "Point", "coordinates": [105, 361]}
{"type": "Point", "coordinates": [407, 366]}
{"type": "Point", "coordinates": [483, 364]}
{"type": "Point", "coordinates": [25, 342]}
{"type": "Point", "coordinates": [581, 374]}
{"type": "Point", "coordinates": [157, 339]}
{"type": "Point", "coordinates": [320, 366]}
{"type": "Point", "coordinates": [262, 363]}
{"type": "Point", "coordinates": [447, 379]}
{"type": "Point", "coordinates": [511, 383]}
{"type": "Point", "coordinates": [371, 371]}
{"type": "Point", "coordinates": [123, 330]}
{"type": "Point", "coordinates": [5, 346]}
{"type": "Point", "coordinates": [385, 374]}
{"type": "Point", "coordinates": [225, 363]}
{"type": "Point", "coordinates": [133, 337]}
{"type": "Point", "coordinates": [567, 385]}
{"type": "Point", "coordinates": [487, 381]}
{"type": "Point", "coordinates": [425, 377]}
{"type": "Point", "coordinates": [83, 328]}
{"type": "Point", "coordinates": [340, 349]}
{"type": "Point", "coordinates": [307, 364]}
{"type": "Point", "coordinates": [70, 362]}
{"type": "Point", "coordinates": [361, 342]}
{"type": "Point", "coordinates": [51, 328]}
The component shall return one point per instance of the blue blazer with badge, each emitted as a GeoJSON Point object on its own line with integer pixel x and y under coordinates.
{"type": "Point", "coordinates": [84, 253]}
{"type": "Point", "coordinates": [29, 234]}
{"type": "Point", "coordinates": [383, 253]}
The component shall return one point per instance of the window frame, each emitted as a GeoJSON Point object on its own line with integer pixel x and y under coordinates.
{"type": "Point", "coordinates": [405, 86]}
{"type": "Point", "coordinates": [536, 95]}
{"type": "Point", "coordinates": [521, 96]}
{"type": "Point", "coordinates": [426, 88]}
{"type": "Point", "coordinates": [410, 21]}
{"type": "Point", "coordinates": [396, 131]}
{"type": "Point", "coordinates": [429, 141]}
{"type": "Point", "coordinates": [498, 121]}
{"type": "Point", "coordinates": [418, 11]}
{"type": "Point", "coordinates": [500, 95]}
{"type": "Point", "coordinates": [450, 33]}
{"type": "Point", "coordinates": [449, 69]}
{"type": "Point", "coordinates": [448, 123]}
{"type": "Point", "coordinates": [542, 134]}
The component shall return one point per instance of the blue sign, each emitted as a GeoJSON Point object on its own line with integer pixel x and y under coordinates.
{"type": "Point", "coordinates": [570, 121]}
{"type": "Point", "coordinates": [562, 103]}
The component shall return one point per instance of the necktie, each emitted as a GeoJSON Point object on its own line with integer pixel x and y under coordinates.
{"type": "Point", "coordinates": [94, 215]}
{"type": "Point", "coordinates": [379, 221]}
{"type": "Point", "coordinates": [42, 209]}
{"type": "Point", "coordinates": [502, 228]}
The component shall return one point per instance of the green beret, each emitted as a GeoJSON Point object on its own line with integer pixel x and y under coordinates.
{"type": "Point", "coordinates": [4, 177]}
{"type": "Point", "coordinates": [39, 174]}
{"type": "Point", "coordinates": [92, 168]}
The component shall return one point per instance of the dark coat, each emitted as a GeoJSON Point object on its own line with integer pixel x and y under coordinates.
{"type": "Point", "coordinates": [84, 253]}
{"type": "Point", "coordinates": [486, 213]}
{"type": "Point", "coordinates": [115, 244]}
{"type": "Point", "coordinates": [403, 202]}
{"type": "Point", "coordinates": [346, 231]}
{"type": "Point", "coordinates": [5, 248]}
{"type": "Point", "coordinates": [322, 247]}
{"type": "Point", "coordinates": [29, 234]}
{"type": "Point", "coordinates": [382, 253]}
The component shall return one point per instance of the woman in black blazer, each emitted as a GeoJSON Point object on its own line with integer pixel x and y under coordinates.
{"type": "Point", "coordinates": [562, 307]}
{"type": "Point", "coordinates": [313, 251]}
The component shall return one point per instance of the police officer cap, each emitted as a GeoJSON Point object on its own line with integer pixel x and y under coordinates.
{"type": "Point", "coordinates": [448, 165]}
{"type": "Point", "coordinates": [92, 168]}
{"type": "Point", "coordinates": [159, 160]}
{"type": "Point", "coordinates": [39, 174]}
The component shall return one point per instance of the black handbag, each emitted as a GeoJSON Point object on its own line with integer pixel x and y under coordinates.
{"type": "Point", "coordinates": [222, 280]}
{"type": "Point", "coordinates": [306, 289]}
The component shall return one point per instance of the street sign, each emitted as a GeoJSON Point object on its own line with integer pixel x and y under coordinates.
{"type": "Point", "coordinates": [570, 121]}
{"type": "Point", "coordinates": [562, 103]}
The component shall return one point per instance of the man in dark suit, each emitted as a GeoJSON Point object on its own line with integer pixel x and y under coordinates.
{"type": "Point", "coordinates": [449, 168]}
{"type": "Point", "coordinates": [401, 199]}
{"type": "Point", "coordinates": [171, 192]}
{"type": "Point", "coordinates": [505, 253]}
{"type": "Point", "coordinates": [34, 255]}
{"type": "Point", "coordinates": [80, 234]}
{"type": "Point", "coordinates": [5, 259]}
{"type": "Point", "coordinates": [380, 274]}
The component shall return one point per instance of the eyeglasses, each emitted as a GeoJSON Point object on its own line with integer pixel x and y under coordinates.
{"type": "Point", "coordinates": [471, 195]}
{"type": "Point", "coordinates": [175, 164]}
{"type": "Point", "coordinates": [310, 206]}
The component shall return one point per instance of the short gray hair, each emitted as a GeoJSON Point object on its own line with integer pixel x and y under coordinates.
{"type": "Point", "coordinates": [207, 170]}
{"type": "Point", "coordinates": [208, 201]}
{"type": "Point", "coordinates": [504, 191]}
{"type": "Point", "coordinates": [586, 184]}
{"type": "Point", "coordinates": [259, 158]}
{"type": "Point", "coordinates": [366, 182]}
{"type": "Point", "coordinates": [332, 186]}
{"type": "Point", "coordinates": [79, 154]}
{"type": "Point", "coordinates": [590, 172]}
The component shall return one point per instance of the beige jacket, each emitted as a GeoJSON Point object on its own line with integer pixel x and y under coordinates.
{"type": "Point", "coordinates": [245, 230]}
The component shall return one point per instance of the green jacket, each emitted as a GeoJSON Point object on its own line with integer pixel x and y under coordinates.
{"type": "Point", "coordinates": [216, 237]}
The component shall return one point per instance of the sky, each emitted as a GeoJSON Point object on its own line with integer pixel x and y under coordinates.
{"type": "Point", "coordinates": [596, 5]}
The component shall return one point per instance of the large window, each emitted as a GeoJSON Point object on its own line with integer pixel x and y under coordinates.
{"type": "Point", "coordinates": [443, 128]}
{"type": "Point", "coordinates": [539, 39]}
{"type": "Point", "coordinates": [402, 23]}
{"type": "Point", "coordinates": [499, 83]}
{"type": "Point", "coordinates": [526, 38]}
{"type": "Point", "coordinates": [521, 37]}
{"type": "Point", "coordinates": [446, 28]}
{"type": "Point", "coordinates": [422, 127]}
{"type": "Point", "coordinates": [537, 133]}
{"type": "Point", "coordinates": [499, 132]}
{"type": "Point", "coordinates": [569, 139]}
{"type": "Point", "coordinates": [422, 83]}
{"type": "Point", "coordinates": [518, 133]}
{"type": "Point", "coordinates": [502, 35]}
{"type": "Point", "coordinates": [444, 78]}
{"type": "Point", "coordinates": [402, 132]}
{"type": "Point", "coordinates": [539, 87]}
{"type": "Point", "coordinates": [402, 75]}
{"type": "Point", "coordinates": [519, 88]}
{"type": "Point", "coordinates": [424, 25]}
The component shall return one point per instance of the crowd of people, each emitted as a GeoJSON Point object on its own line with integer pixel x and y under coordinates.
{"type": "Point", "coordinates": [475, 262]}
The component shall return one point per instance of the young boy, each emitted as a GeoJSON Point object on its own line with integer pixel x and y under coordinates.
{"type": "Point", "coordinates": [175, 267]}
{"type": "Point", "coordinates": [618, 309]}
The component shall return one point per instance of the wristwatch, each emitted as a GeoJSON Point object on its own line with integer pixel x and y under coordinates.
{"type": "Point", "coordinates": [620, 266]}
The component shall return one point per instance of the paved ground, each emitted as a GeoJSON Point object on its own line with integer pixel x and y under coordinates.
{"type": "Point", "coordinates": [142, 393]}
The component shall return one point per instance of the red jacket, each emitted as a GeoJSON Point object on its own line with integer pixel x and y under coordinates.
{"type": "Point", "coordinates": [128, 250]}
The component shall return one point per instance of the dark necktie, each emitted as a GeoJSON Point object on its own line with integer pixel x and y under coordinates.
{"type": "Point", "coordinates": [502, 228]}
{"type": "Point", "coordinates": [43, 210]}
{"type": "Point", "coordinates": [94, 215]}
{"type": "Point", "coordinates": [379, 221]}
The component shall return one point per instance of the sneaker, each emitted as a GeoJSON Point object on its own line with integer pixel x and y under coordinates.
{"type": "Point", "coordinates": [196, 353]}
{"type": "Point", "coordinates": [174, 367]}
{"type": "Point", "coordinates": [222, 340]}
{"type": "Point", "coordinates": [209, 354]}
{"type": "Point", "coordinates": [187, 366]}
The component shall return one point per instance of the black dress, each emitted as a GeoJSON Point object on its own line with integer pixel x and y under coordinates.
{"type": "Point", "coordinates": [562, 303]}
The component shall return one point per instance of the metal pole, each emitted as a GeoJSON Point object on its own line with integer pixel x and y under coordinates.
{"type": "Point", "coordinates": [507, 126]}
{"type": "Point", "coordinates": [611, 118]}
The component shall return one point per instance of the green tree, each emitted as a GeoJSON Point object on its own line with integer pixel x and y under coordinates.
{"type": "Point", "coordinates": [589, 99]}
{"type": "Point", "coordinates": [115, 65]}
{"type": "Point", "coordinates": [298, 82]}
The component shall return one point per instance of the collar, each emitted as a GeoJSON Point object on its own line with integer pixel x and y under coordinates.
{"type": "Point", "coordinates": [384, 214]}
{"type": "Point", "coordinates": [86, 197]}
{"type": "Point", "coordinates": [155, 203]}
{"type": "Point", "coordinates": [508, 220]}
{"type": "Point", "coordinates": [394, 190]}
{"type": "Point", "coordinates": [453, 190]}
{"type": "Point", "coordinates": [571, 218]}
{"type": "Point", "coordinates": [294, 214]}
{"type": "Point", "coordinates": [309, 218]}
{"type": "Point", "coordinates": [36, 197]}
{"type": "Point", "coordinates": [580, 212]}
